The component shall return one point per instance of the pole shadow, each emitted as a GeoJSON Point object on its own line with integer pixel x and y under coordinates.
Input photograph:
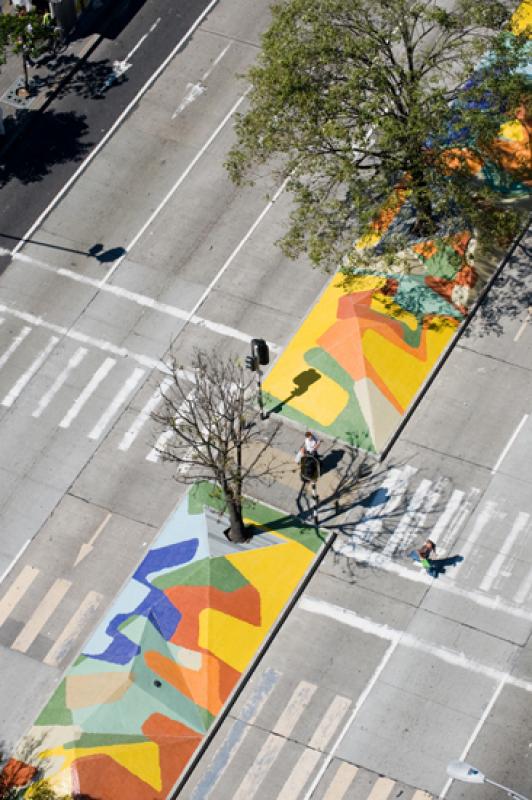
{"type": "Point", "coordinates": [302, 382]}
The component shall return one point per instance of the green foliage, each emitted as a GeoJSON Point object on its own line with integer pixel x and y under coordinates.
{"type": "Point", "coordinates": [352, 97]}
{"type": "Point", "coordinates": [29, 32]}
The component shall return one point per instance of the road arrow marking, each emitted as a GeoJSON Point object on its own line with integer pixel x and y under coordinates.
{"type": "Point", "coordinates": [86, 549]}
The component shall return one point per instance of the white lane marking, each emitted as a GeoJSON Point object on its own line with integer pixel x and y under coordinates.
{"type": "Point", "coordinates": [155, 453]}
{"type": "Point", "coordinates": [238, 248]}
{"type": "Point", "coordinates": [410, 521]}
{"type": "Point", "coordinates": [308, 760]}
{"type": "Point", "coordinates": [360, 702]}
{"type": "Point", "coordinates": [103, 141]}
{"type": "Point", "coordinates": [17, 341]}
{"type": "Point", "coordinates": [485, 515]}
{"type": "Point", "coordinates": [74, 362]}
{"type": "Point", "coordinates": [511, 440]}
{"type": "Point", "coordinates": [87, 547]}
{"type": "Point", "coordinates": [493, 570]}
{"type": "Point", "coordinates": [524, 588]}
{"type": "Point", "coordinates": [381, 789]}
{"type": "Point", "coordinates": [448, 514]}
{"type": "Point", "coordinates": [343, 778]}
{"type": "Point", "coordinates": [394, 484]}
{"type": "Point", "coordinates": [523, 324]}
{"type": "Point", "coordinates": [455, 658]}
{"type": "Point", "coordinates": [196, 89]}
{"type": "Point", "coordinates": [478, 728]}
{"type": "Point", "coordinates": [26, 377]}
{"type": "Point", "coordinates": [421, 795]}
{"type": "Point", "coordinates": [142, 300]}
{"type": "Point", "coordinates": [16, 591]}
{"type": "Point", "coordinates": [260, 691]}
{"type": "Point", "coordinates": [77, 336]}
{"type": "Point", "coordinates": [370, 557]}
{"type": "Point", "coordinates": [174, 188]}
{"type": "Point", "coordinates": [14, 561]}
{"type": "Point", "coordinates": [451, 535]}
{"type": "Point", "coordinates": [143, 416]}
{"type": "Point", "coordinates": [118, 401]}
{"type": "Point", "coordinates": [87, 391]}
{"type": "Point", "coordinates": [41, 615]}
{"type": "Point", "coordinates": [152, 27]}
{"type": "Point", "coordinates": [275, 741]}
{"type": "Point", "coordinates": [73, 629]}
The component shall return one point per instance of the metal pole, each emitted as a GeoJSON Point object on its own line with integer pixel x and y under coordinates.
{"type": "Point", "coordinates": [259, 394]}
{"type": "Point", "coordinates": [316, 501]}
{"type": "Point", "coordinates": [509, 792]}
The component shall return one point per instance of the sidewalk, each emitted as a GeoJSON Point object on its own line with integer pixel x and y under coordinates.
{"type": "Point", "coordinates": [47, 79]}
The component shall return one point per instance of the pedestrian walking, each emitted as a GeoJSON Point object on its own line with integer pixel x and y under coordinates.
{"type": "Point", "coordinates": [423, 554]}
{"type": "Point", "coordinates": [309, 447]}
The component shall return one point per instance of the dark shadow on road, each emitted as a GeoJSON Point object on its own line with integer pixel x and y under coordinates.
{"type": "Point", "coordinates": [66, 74]}
{"type": "Point", "coordinates": [96, 251]}
{"type": "Point", "coordinates": [57, 139]}
{"type": "Point", "coordinates": [438, 566]}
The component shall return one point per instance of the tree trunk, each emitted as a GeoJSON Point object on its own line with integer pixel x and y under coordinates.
{"type": "Point", "coordinates": [25, 70]}
{"type": "Point", "coordinates": [237, 531]}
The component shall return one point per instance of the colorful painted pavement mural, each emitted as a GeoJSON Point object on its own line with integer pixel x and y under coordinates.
{"type": "Point", "coordinates": [368, 345]}
{"type": "Point", "coordinates": [136, 704]}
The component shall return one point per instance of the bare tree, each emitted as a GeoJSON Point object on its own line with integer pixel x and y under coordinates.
{"type": "Point", "coordinates": [215, 433]}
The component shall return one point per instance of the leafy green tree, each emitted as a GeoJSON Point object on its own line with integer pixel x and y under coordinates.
{"type": "Point", "coordinates": [30, 35]}
{"type": "Point", "coordinates": [352, 99]}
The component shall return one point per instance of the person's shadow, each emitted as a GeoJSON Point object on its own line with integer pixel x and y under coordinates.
{"type": "Point", "coordinates": [438, 566]}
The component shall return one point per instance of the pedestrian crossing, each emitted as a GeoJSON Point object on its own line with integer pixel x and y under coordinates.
{"type": "Point", "coordinates": [282, 766]}
{"type": "Point", "coordinates": [37, 608]}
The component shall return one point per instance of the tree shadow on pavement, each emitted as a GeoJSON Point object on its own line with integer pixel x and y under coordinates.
{"type": "Point", "coordinates": [66, 74]}
{"type": "Point", "coordinates": [56, 138]}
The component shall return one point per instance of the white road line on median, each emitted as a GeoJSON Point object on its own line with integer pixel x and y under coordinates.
{"type": "Point", "coordinates": [118, 401]}
{"type": "Point", "coordinates": [142, 91]}
{"type": "Point", "coordinates": [360, 702]}
{"type": "Point", "coordinates": [26, 377]}
{"type": "Point", "coordinates": [343, 778]}
{"type": "Point", "coordinates": [485, 714]}
{"type": "Point", "coordinates": [17, 590]}
{"type": "Point", "coordinates": [17, 341]}
{"type": "Point", "coordinates": [100, 344]}
{"type": "Point", "coordinates": [86, 393]}
{"type": "Point", "coordinates": [174, 188]}
{"type": "Point", "coordinates": [144, 415]}
{"type": "Point", "coordinates": [455, 658]}
{"type": "Point", "coordinates": [374, 559]}
{"type": "Point", "coordinates": [142, 300]}
{"type": "Point", "coordinates": [493, 570]}
{"type": "Point", "coordinates": [73, 362]}
{"type": "Point", "coordinates": [275, 741]}
{"type": "Point", "coordinates": [512, 439]}
{"type": "Point", "coordinates": [41, 615]}
{"type": "Point", "coordinates": [319, 741]}
{"type": "Point", "coordinates": [73, 629]}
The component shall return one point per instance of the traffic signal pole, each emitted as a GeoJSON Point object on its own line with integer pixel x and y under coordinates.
{"type": "Point", "coordinates": [260, 354]}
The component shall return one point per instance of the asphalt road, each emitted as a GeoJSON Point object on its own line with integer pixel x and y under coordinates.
{"type": "Point", "coordinates": [138, 34]}
{"type": "Point", "coordinates": [152, 247]}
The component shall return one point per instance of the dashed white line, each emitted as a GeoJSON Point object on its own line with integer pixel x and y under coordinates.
{"type": "Point", "coordinates": [89, 389]}
{"type": "Point", "coordinates": [117, 402]}
{"type": "Point", "coordinates": [511, 440]}
{"type": "Point", "coordinates": [73, 362]}
{"type": "Point", "coordinates": [26, 377]}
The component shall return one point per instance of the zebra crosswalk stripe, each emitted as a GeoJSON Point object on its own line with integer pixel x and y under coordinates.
{"type": "Point", "coordinates": [117, 402]}
{"type": "Point", "coordinates": [17, 341]}
{"type": "Point", "coordinates": [343, 778]}
{"type": "Point", "coordinates": [26, 376]}
{"type": "Point", "coordinates": [87, 392]}
{"type": "Point", "coordinates": [73, 362]}
{"type": "Point", "coordinates": [518, 527]}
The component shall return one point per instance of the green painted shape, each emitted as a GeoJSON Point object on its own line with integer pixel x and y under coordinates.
{"type": "Point", "coordinates": [445, 263]}
{"type": "Point", "coordinates": [104, 740]}
{"type": "Point", "coordinates": [204, 494]}
{"type": "Point", "coordinates": [56, 711]}
{"type": "Point", "coordinates": [415, 296]}
{"type": "Point", "coordinates": [216, 572]}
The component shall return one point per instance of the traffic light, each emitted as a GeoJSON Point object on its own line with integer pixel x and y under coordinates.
{"type": "Point", "coordinates": [252, 363]}
{"type": "Point", "coordinates": [261, 351]}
